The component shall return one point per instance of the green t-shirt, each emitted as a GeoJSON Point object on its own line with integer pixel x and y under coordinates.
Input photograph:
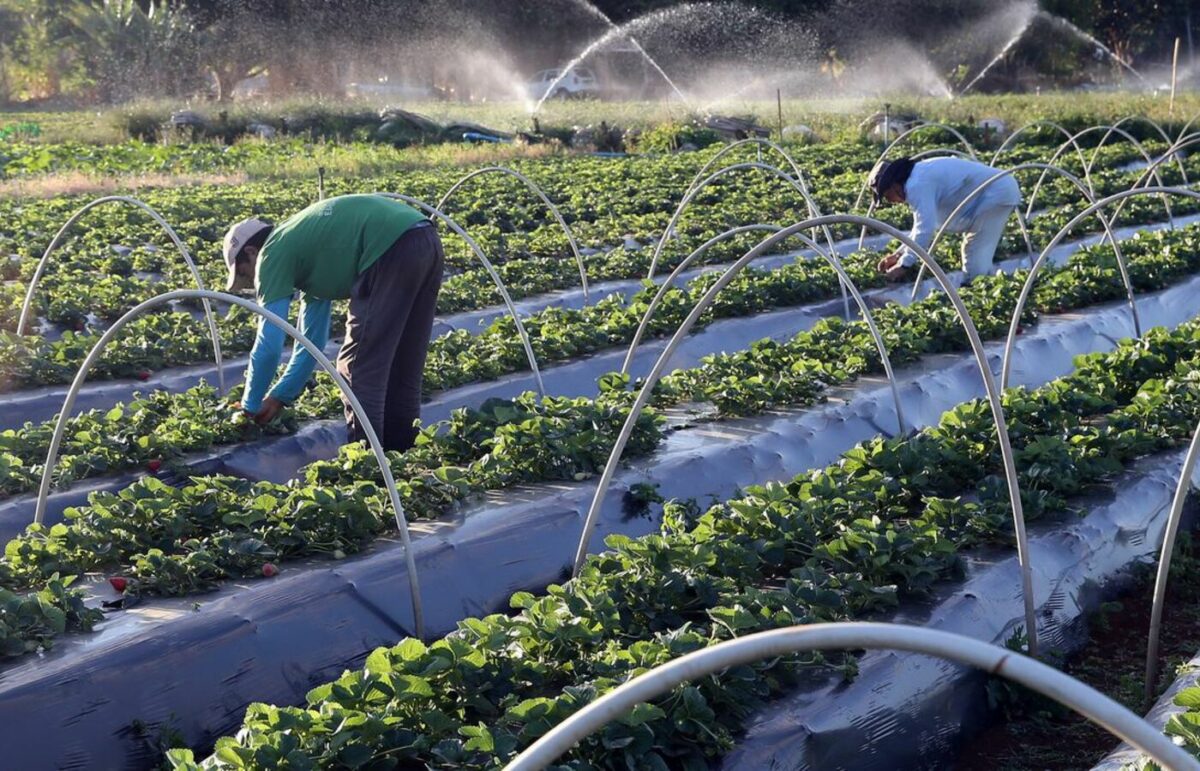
{"type": "Point", "coordinates": [322, 249]}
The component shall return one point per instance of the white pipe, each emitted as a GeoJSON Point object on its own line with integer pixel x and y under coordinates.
{"type": "Point", "coordinates": [977, 350]}
{"type": "Point", "coordinates": [27, 306]}
{"type": "Point", "coordinates": [385, 469]}
{"type": "Point", "coordinates": [992, 659]}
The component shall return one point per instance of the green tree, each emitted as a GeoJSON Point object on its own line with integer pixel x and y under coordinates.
{"type": "Point", "coordinates": [136, 51]}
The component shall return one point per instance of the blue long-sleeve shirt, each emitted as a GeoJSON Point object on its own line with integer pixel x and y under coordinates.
{"type": "Point", "coordinates": [268, 349]}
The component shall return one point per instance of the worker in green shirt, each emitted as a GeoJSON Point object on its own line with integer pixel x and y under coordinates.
{"type": "Point", "coordinates": [383, 256]}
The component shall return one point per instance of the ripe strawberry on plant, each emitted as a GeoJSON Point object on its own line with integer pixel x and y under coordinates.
{"type": "Point", "coordinates": [119, 583]}
{"type": "Point", "coordinates": [144, 374]}
{"type": "Point", "coordinates": [154, 464]}
{"type": "Point", "coordinates": [269, 570]}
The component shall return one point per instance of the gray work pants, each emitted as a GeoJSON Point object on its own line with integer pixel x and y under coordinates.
{"type": "Point", "coordinates": [392, 305]}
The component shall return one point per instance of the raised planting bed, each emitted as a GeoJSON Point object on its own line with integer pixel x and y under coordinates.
{"type": "Point", "coordinates": [256, 639]}
{"type": "Point", "coordinates": [910, 711]}
{"type": "Point", "coordinates": [572, 379]}
{"type": "Point", "coordinates": [886, 526]}
{"type": "Point", "coordinates": [203, 214]}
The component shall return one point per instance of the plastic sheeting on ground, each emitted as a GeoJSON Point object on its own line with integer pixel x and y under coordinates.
{"type": "Point", "coordinates": [192, 665]}
{"type": "Point", "coordinates": [907, 711]}
{"type": "Point", "coordinates": [44, 403]}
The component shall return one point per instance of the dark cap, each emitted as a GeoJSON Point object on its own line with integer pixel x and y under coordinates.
{"type": "Point", "coordinates": [888, 173]}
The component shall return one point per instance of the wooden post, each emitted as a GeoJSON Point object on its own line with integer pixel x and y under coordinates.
{"type": "Point", "coordinates": [1174, 76]}
{"type": "Point", "coordinates": [779, 111]}
{"type": "Point", "coordinates": [320, 183]}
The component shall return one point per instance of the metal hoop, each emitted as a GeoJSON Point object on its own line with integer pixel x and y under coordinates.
{"type": "Point", "coordinates": [1183, 131]}
{"type": "Point", "coordinates": [537, 190]}
{"type": "Point", "coordinates": [1087, 169]}
{"type": "Point", "coordinates": [1062, 130]}
{"type": "Point", "coordinates": [1164, 563]}
{"type": "Point", "coordinates": [1121, 264]}
{"type": "Point", "coordinates": [843, 276]}
{"type": "Point", "coordinates": [920, 127]}
{"type": "Point", "coordinates": [207, 294]}
{"type": "Point", "coordinates": [695, 188]}
{"type": "Point", "coordinates": [670, 281]}
{"type": "Point", "coordinates": [491, 271]}
{"type": "Point", "coordinates": [26, 307]}
{"type": "Point", "coordinates": [990, 658]}
{"type": "Point", "coordinates": [977, 350]}
{"type": "Point", "coordinates": [1054, 242]}
{"type": "Point", "coordinates": [1170, 152]}
{"type": "Point", "coordinates": [761, 142]}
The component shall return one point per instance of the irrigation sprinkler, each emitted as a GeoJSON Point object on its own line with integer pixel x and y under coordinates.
{"type": "Point", "coordinates": [696, 188]}
{"type": "Point", "coordinates": [843, 276]}
{"type": "Point", "coordinates": [1122, 266]}
{"type": "Point", "coordinates": [491, 271]}
{"type": "Point", "coordinates": [26, 307]}
{"type": "Point", "coordinates": [776, 643]}
{"type": "Point", "coordinates": [537, 190]}
{"type": "Point", "coordinates": [1014, 326]}
{"type": "Point", "coordinates": [977, 350]}
{"type": "Point", "coordinates": [1087, 169]}
{"type": "Point", "coordinates": [1164, 563]}
{"type": "Point", "coordinates": [372, 438]}
{"type": "Point", "coordinates": [1049, 124]}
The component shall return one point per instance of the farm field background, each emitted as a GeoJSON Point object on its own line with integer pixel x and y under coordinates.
{"type": "Point", "coordinates": [811, 496]}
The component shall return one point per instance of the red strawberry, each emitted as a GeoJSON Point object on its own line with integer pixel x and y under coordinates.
{"type": "Point", "coordinates": [119, 583]}
{"type": "Point", "coordinates": [80, 326]}
{"type": "Point", "coordinates": [154, 464]}
{"type": "Point", "coordinates": [269, 570]}
{"type": "Point", "coordinates": [144, 374]}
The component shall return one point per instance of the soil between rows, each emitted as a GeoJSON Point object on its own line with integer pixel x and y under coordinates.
{"type": "Point", "coordinates": [1040, 735]}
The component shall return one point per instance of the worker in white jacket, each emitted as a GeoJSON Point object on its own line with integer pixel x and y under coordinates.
{"type": "Point", "coordinates": [933, 188]}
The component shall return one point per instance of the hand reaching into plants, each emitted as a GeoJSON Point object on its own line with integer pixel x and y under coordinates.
{"type": "Point", "coordinates": [893, 271]}
{"type": "Point", "coordinates": [889, 262]}
{"type": "Point", "coordinates": [271, 407]}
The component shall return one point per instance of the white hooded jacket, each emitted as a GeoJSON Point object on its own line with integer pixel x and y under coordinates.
{"type": "Point", "coordinates": [935, 188]}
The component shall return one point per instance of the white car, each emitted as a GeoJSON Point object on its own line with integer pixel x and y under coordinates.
{"type": "Point", "coordinates": [579, 82]}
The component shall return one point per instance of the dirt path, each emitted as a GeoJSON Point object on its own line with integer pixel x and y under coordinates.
{"type": "Point", "coordinates": [1039, 735]}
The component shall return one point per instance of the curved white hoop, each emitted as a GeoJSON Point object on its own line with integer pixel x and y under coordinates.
{"type": "Point", "coordinates": [1122, 266]}
{"type": "Point", "coordinates": [1171, 152]}
{"type": "Point", "coordinates": [26, 307]}
{"type": "Point", "coordinates": [977, 351]}
{"type": "Point", "coordinates": [537, 190]}
{"type": "Point", "coordinates": [1163, 573]}
{"type": "Point", "coordinates": [1087, 169]}
{"type": "Point", "coordinates": [317, 354]}
{"type": "Point", "coordinates": [1116, 128]}
{"type": "Point", "coordinates": [1015, 324]}
{"type": "Point", "coordinates": [695, 188]}
{"type": "Point", "coordinates": [1062, 130]}
{"type": "Point", "coordinates": [491, 271]}
{"type": "Point", "coordinates": [843, 276]}
{"type": "Point", "coordinates": [992, 659]}
{"type": "Point", "coordinates": [669, 282]}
